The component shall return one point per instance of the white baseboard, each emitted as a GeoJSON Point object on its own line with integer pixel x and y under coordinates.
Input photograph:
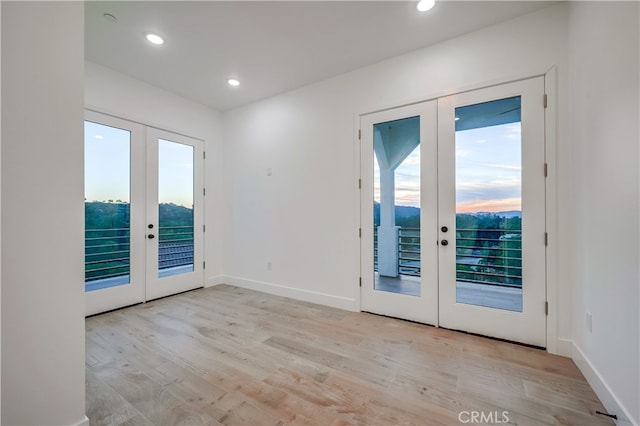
{"type": "Point", "coordinates": [214, 281]}
{"type": "Point", "coordinates": [564, 347]}
{"type": "Point", "coordinates": [599, 385]}
{"type": "Point", "coordinates": [83, 422]}
{"type": "Point", "coordinates": [294, 293]}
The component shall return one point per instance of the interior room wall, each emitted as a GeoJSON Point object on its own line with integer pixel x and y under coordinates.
{"type": "Point", "coordinates": [604, 115]}
{"type": "Point", "coordinates": [0, 211]}
{"type": "Point", "coordinates": [114, 93]}
{"type": "Point", "coordinates": [291, 161]}
{"type": "Point", "coordinates": [42, 213]}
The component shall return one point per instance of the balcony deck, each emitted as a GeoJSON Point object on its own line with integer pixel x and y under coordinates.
{"type": "Point", "coordinates": [491, 296]}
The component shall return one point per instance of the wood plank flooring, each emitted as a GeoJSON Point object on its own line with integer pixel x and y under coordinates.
{"type": "Point", "coordinates": [225, 355]}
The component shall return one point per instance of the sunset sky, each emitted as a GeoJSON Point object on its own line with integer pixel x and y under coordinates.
{"type": "Point", "coordinates": [488, 171]}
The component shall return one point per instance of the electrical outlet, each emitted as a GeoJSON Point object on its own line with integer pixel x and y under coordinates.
{"type": "Point", "coordinates": [589, 322]}
{"type": "Point", "coordinates": [268, 266]}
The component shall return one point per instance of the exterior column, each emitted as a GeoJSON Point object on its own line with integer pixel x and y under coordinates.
{"type": "Point", "coordinates": [387, 231]}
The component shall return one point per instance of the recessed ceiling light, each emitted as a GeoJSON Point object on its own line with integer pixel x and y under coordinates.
{"type": "Point", "coordinates": [424, 5]}
{"type": "Point", "coordinates": [233, 82]}
{"type": "Point", "coordinates": [99, 137]}
{"type": "Point", "coordinates": [457, 118]}
{"type": "Point", "coordinates": [155, 39]}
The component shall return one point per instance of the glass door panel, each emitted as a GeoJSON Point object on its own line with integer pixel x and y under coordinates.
{"type": "Point", "coordinates": [489, 204]}
{"type": "Point", "coordinates": [175, 208]}
{"type": "Point", "coordinates": [396, 209]}
{"type": "Point", "coordinates": [107, 206]}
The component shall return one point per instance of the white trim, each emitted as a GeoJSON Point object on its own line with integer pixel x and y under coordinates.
{"type": "Point", "coordinates": [510, 78]}
{"type": "Point", "coordinates": [294, 293]}
{"type": "Point", "coordinates": [214, 281]}
{"type": "Point", "coordinates": [357, 152]}
{"type": "Point", "coordinates": [106, 111]}
{"type": "Point", "coordinates": [83, 422]}
{"type": "Point", "coordinates": [550, 125]}
{"type": "Point", "coordinates": [608, 398]}
{"type": "Point", "coordinates": [564, 347]}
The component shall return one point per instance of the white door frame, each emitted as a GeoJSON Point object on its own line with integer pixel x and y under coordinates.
{"type": "Point", "coordinates": [553, 345]}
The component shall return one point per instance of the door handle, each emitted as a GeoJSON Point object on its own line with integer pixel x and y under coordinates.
{"type": "Point", "coordinates": [151, 236]}
{"type": "Point", "coordinates": [444, 242]}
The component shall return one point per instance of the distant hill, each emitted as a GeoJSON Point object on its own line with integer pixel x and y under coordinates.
{"type": "Point", "coordinates": [403, 212]}
{"type": "Point", "coordinates": [508, 214]}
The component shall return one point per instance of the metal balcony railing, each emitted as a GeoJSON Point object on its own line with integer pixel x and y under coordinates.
{"type": "Point", "coordinates": [409, 251]}
{"type": "Point", "coordinates": [108, 251]}
{"type": "Point", "coordinates": [175, 246]}
{"type": "Point", "coordinates": [483, 256]}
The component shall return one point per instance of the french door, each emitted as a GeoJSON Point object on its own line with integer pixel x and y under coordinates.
{"type": "Point", "coordinates": [453, 212]}
{"type": "Point", "coordinates": [399, 216]}
{"type": "Point", "coordinates": [143, 213]}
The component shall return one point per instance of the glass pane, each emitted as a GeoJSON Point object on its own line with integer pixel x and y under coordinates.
{"type": "Point", "coordinates": [489, 204]}
{"type": "Point", "coordinates": [106, 204]}
{"type": "Point", "coordinates": [175, 196]}
{"type": "Point", "coordinates": [396, 206]}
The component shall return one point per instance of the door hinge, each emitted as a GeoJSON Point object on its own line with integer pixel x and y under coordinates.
{"type": "Point", "coordinates": [546, 308]}
{"type": "Point", "coordinates": [359, 232]}
{"type": "Point", "coordinates": [544, 102]}
{"type": "Point", "coordinates": [359, 134]}
{"type": "Point", "coordinates": [204, 192]}
{"type": "Point", "coordinates": [204, 155]}
{"type": "Point", "coordinates": [546, 170]}
{"type": "Point", "coordinates": [204, 265]}
{"type": "Point", "coordinates": [360, 281]}
{"type": "Point", "coordinates": [359, 183]}
{"type": "Point", "coordinates": [204, 228]}
{"type": "Point", "coordinates": [546, 238]}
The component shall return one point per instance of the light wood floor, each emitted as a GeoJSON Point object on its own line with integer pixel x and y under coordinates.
{"type": "Point", "coordinates": [231, 356]}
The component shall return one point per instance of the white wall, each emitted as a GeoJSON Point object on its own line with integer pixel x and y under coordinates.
{"type": "Point", "coordinates": [604, 115]}
{"type": "Point", "coordinates": [42, 213]}
{"type": "Point", "coordinates": [303, 219]}
{"type": "Point", "coordinates": [114, 93]}
{"type": "Point", "coordinates": [0, 213]}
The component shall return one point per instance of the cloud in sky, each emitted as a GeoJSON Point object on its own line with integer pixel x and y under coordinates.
{"type": "Point", "coordinates": [489, 175]}
{"type": "Point", "coordinates": [488, 171]}
{"type": "Point", "coordinates": [475, 206]}
{"type": "Point", "coordinates": [108, 167]}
